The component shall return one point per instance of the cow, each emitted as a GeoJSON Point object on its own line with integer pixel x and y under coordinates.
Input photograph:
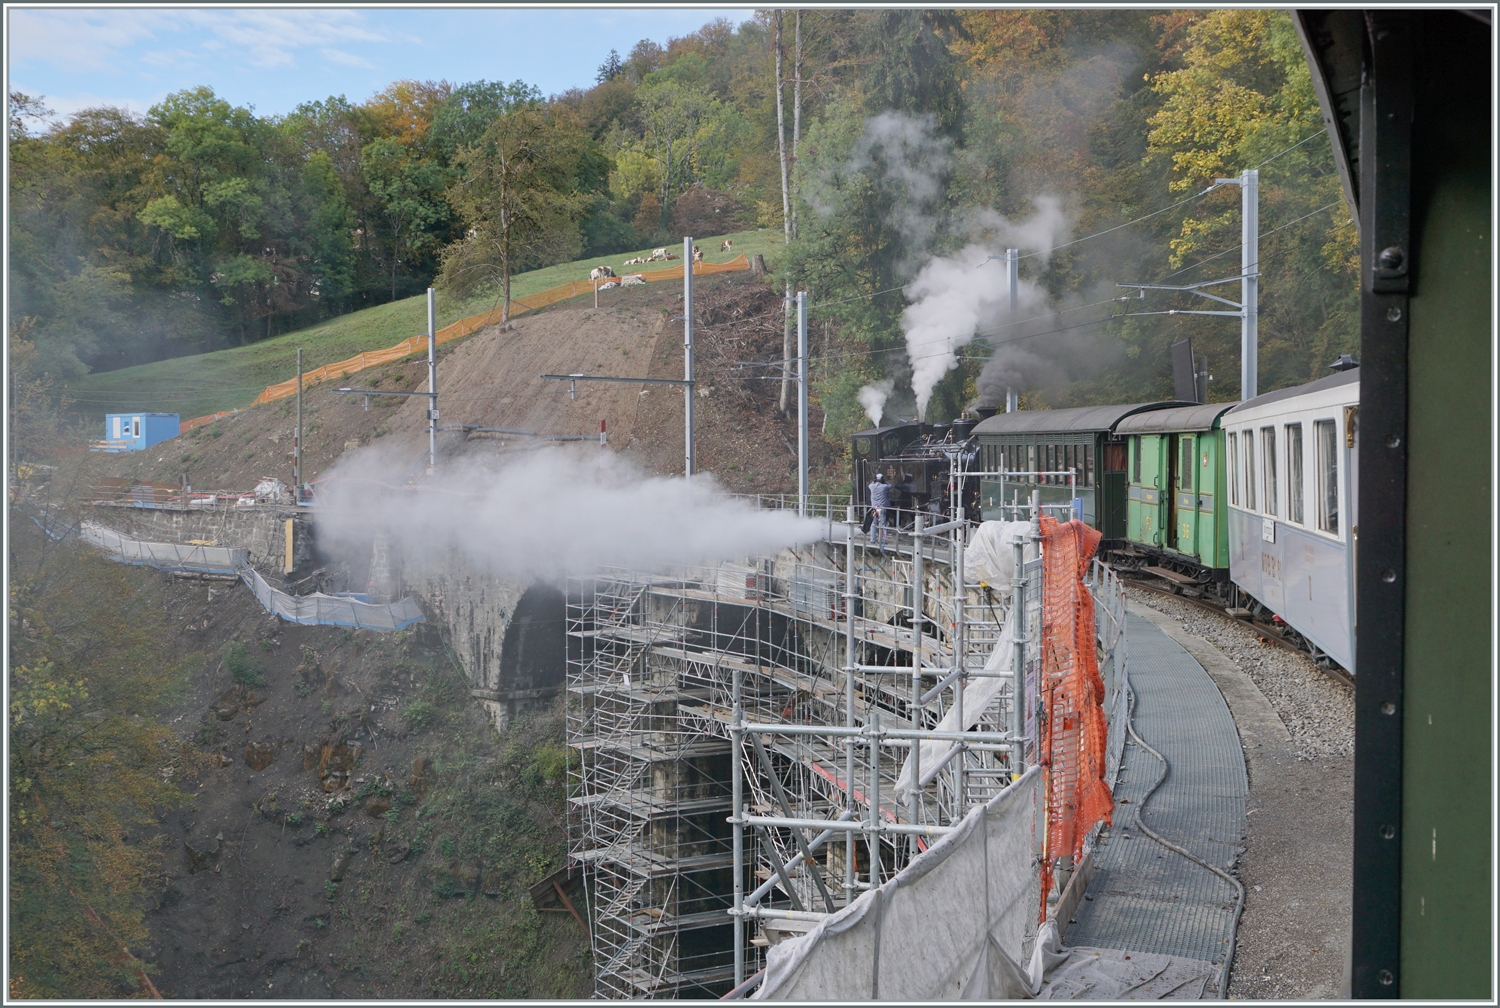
{"type": "Point", "coordinates": [726, 246]}
{"type": "Point", "coordinates": [601, 273]}
{"type": "Point", "coordinates": [638, 260]}
{"type": "Point", "coordinates": [660, 253]}
{"type": "Point", "coordinates": [697, 254]}
{"type": "Point", "coordinates": [631, 278]}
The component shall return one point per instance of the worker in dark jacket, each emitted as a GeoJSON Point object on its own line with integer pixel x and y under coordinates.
{"type": "Point", "coordinates": [880, 505]}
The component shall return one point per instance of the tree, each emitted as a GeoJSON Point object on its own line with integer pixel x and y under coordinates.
{"type": "Point", "coordinates": [408, 193]}
{"type": "Point", "coordinates": [909, 68]}
{"type": "Point", "coordinates": [611, 68]}
{"type": "Point", "coordinates": [1242, 95]}
{"type": "Point", "coordinates": [92, 667]}
{"type": "Point", "coordinates": [517, 198]}
{"type": "Point", "coordinates": [468, 111]}
{"type": "Point", "coordinates": [672, 114]}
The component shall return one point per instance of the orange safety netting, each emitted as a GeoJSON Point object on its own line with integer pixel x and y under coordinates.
{"type": "Point", "coordinates": [458, 330]}
{"type": "Point", "coordinates": [1073, 735]}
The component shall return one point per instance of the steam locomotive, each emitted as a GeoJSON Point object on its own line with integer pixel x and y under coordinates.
{"type": "Point", "coordinates": [918, 462]}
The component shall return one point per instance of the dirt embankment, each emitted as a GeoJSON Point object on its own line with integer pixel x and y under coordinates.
{"type": "Point", "coordinates": [493, 379]}
{"type": "Point", "coordinates": [358, 829]}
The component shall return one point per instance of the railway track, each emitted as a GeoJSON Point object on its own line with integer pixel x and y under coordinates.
{"type": "Point", "coordinates": [1268, 634]}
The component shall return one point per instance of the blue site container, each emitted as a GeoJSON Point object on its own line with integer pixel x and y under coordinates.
{"type": "Point", "coordinates": [135, 431]}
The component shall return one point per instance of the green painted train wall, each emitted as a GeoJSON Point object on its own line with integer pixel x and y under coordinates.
{"type": "Point", "coordinates": [1195, 528]}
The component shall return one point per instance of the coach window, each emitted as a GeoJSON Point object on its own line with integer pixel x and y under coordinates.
{"type": "Point", "coordinates": [1294, 473]}
{"type": "Point", "coordinates": [1135, 459]}
{"type": "Point", "coordinates": [1088, 465]}
{"type": "Point", "coordinates": [1328, 476]}
{"type": "Point", "coordinates": [1234, 468]}
{"type": "Point", "coordinates": [1268, 466]}
{"type": "Point", "coordinates": [1185, 472]}
{"type": "Point", "coordinates": [1248, 443]}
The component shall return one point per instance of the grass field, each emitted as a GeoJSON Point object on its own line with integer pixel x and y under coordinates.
{"type": "Point", "coordinates": [231, 379]}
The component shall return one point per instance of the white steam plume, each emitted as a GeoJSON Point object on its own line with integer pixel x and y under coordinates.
{"type": "Point", "coordinates": [548, 515]}
{"type": "Point", "coordinates": [873, 397]}
{"type": "Point", "coordinates": [957, 295]}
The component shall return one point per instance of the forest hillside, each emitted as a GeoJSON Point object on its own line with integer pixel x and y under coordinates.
{"type": "Point", "coordinates": [895, 152]}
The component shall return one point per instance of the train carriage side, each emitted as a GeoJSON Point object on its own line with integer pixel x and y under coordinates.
{"type": "Point", "coordinates": [1175, 496]}
{"type": "Point", "coordinates": [1293, 527]}
{"type": "Point", "coordinates": [1080, 440]}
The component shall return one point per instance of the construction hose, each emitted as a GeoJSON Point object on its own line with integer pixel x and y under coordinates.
{"type": "Point", "coordinates": [1140, 819]}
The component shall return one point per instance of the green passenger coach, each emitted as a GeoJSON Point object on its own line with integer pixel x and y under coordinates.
{"type": "Point", "coordinates": [1174, 508]}
{"type": "Point", "coordinates": [1082, 440]}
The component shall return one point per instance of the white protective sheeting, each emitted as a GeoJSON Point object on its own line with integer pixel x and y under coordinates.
{"type": "Point", "coordinates": [951, 925]}
{"type": "Point", "coordinates": [324, 610]}
{"type": "Point", "coordinates": [979, 693]}
{"type": "Point", "coordinates": [990, 557]}
{"type": "Point", "coordinates": [333, 610]}
{"type": "Point", "coordinates": [1091, 974]}
{"type": "Point", "coordinates": [165, 556]}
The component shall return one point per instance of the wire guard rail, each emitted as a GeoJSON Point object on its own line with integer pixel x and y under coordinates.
{"type": "Point", "coordinates": [318, 608]}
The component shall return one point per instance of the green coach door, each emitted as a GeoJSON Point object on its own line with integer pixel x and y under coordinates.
{"type": "Point", "coordinates": [1184, 496]}
{"type": "Point", "coordinates": [1150, 489]}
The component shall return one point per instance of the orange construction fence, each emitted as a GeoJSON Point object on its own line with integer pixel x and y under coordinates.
{"type": "Point", "coordinates": [470, 325]}
{"type": "Point", "coordinates": [1074, 734]}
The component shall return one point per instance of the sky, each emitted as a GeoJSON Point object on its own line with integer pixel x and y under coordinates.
{"type": "Point", "coordinates": [274, 58]}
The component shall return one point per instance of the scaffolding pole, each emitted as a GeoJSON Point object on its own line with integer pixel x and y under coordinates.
{"type": "Point", "coordinates": [729, 723]}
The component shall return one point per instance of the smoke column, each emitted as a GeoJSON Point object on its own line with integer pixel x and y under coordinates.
{"type": "Point", "coordinates": [957, 295]}
{"type": "Point", "coordinates": [547, 516]}
{"type": "Point", "coordinates": [873, 397]}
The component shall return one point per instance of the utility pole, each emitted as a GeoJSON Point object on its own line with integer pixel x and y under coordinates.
{"type": "Point", "coordinates": [1249, 183]}
{"type": "Point", "coordinates": [297, 441]}
{"type": "Point", "coordinates": [687, 354]}
{"type": "Point", "coordinates": [1013, 280]}
{"type": "Point", "coordinates": [1247, 309]}
{"type": "Point", "coordinates": [432, 402]}
{"type": "Point", "coordinates": [1250, 285]}
{"type": "Point", "coordinates": [802, 501]}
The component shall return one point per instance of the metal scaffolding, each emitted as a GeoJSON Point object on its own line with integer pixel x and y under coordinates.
{"type": "Point", "coordinates": [739, 733]}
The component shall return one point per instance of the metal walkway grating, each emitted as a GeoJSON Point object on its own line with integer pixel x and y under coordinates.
{"type": "Point", "coordinates": [1144, 897]}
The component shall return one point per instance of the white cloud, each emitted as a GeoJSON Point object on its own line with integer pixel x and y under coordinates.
{"type": "Point", "coordinates": [104, 40]}
{"type": "Point", "coordinates": [269, 38]}
{"type": "Point", "coordinates": [87, 40]}
{"type": "Point", "coordinates": [345, 59]}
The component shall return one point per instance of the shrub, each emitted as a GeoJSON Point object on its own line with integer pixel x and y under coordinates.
{"type": "Point", "coordinates": [241, 668]}
{"type": "Point", "coordinates": [420, 715]}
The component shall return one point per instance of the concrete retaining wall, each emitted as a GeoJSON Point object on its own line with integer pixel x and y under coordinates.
{"type": "Point", "coordinates": [260, 529]}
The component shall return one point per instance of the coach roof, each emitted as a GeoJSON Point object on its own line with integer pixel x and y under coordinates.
{"type": "Point", "coordinates": [1078, 418]}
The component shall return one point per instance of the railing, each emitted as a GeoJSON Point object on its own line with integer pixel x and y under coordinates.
{"type": "Point", "coordinates": [818, 505]}
{"type": "Point", "coordinates": [1109, 616]}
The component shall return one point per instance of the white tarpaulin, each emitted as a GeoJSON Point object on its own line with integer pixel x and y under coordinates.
{"type": "Point", "coordinates": [991, 554]}
{"type": "Point", "coordinates": [324, 610]}
{"type": "Point", "coordinates": [979, 693]}
{"type": "Point", "coordinates": [951, 925]}
{"type": "Point", "coordinates": [166, 556]}
{"type": "Point", "coordinates": [333, 610]}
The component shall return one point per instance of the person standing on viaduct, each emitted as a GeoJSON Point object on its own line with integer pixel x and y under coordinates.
{"type": "Point", "coordinates": [880, 503]}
